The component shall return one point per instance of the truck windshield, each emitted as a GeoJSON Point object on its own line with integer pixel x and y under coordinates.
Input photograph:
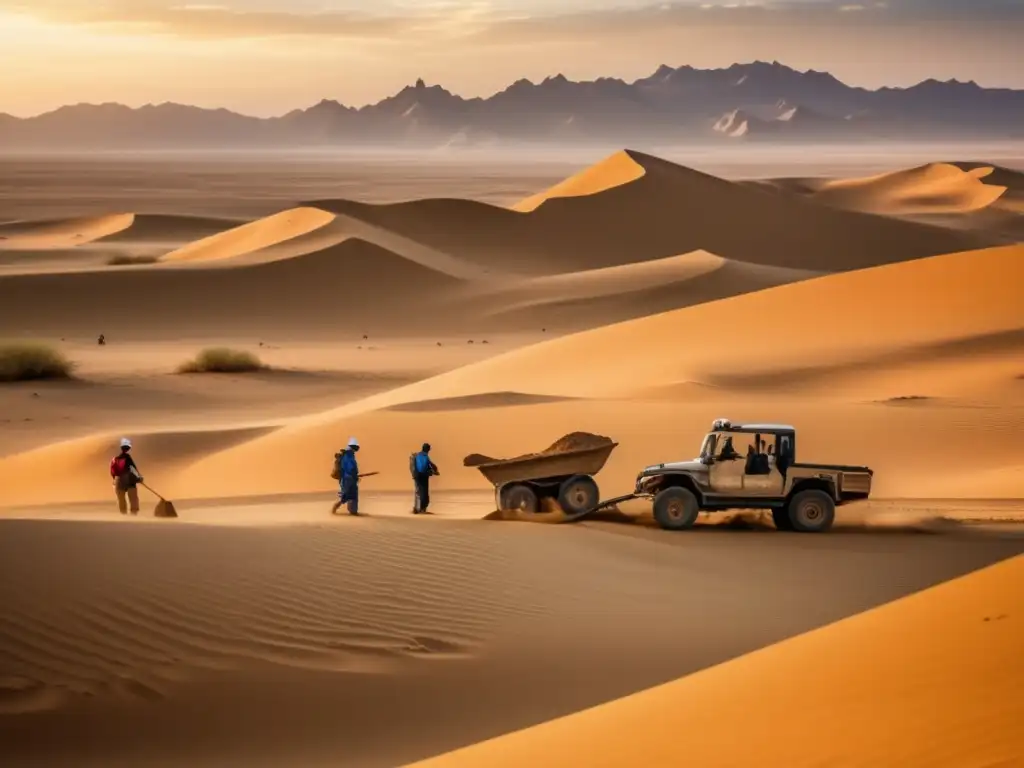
{"type": "Point", "coordinates": [707, 448]}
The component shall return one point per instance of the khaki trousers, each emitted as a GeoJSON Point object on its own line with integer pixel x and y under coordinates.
{"type": "Point", "coordinates": [125, 495]}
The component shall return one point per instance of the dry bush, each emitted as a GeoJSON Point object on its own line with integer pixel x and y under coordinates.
{"type": "Point", "coordinates": [31, 360]}
{"type": "Point", "coordinates": [122, 260]}
{"type": "Point", "coordinates": [222, 360]}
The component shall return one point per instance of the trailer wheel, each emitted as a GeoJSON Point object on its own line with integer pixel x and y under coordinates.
{"type": "Point", "coordinates": [578, 494]}
{"type": "Point", "coordinates": [780, 516]}
{"type": "Point", "coordinates": [812, 511]}
{"type": "Point", "coordinates": [519, 497]}
{"type": "Point", "coordinates": [676, 509]}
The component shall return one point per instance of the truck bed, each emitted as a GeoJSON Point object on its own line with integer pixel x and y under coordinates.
{"type": "Point", "coordinates": [833, 467]}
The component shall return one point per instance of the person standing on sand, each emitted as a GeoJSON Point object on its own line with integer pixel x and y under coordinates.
{"type": "Point", "coordinates": [125, 476]}
{"type": "Point", "coordinates": [422, 470]}
{"type": "Point", "coordinates": [348, 478]}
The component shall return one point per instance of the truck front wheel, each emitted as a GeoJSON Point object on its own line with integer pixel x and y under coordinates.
{"type": "Point", "coordinates": [812, 511]}
{"type": "Point", "coordinates": [676, 509]}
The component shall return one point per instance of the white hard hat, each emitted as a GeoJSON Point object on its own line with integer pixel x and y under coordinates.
{"type": "Point", "coordinates": [353, 443]}
{"type": "Point", "coordinates": [126, 443]}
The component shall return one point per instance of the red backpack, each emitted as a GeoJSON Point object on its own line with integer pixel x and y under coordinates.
{"type": "Point", "coordinates": [118, 466]}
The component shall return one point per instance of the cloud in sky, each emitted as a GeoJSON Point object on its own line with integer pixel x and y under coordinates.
{"type": "Point", "coordinates": [266, 56]}
{"type": "Point", "coordinates": [498, 20]}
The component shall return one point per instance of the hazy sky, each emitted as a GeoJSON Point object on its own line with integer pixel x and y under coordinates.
{"type": "Point", "coordinates": [268, 56]}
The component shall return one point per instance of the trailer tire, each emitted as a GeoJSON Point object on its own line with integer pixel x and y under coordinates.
{"type": "Point", "coordinates": [812, 511]}
{"type": "Point", "coordinates": [578, 494]}
{"type": "Point", "coordinates": [676, 509]}
{"type": "Point", "coordinates": [780, 516]}
{"type": "Point", "coordinates": [521, 497]}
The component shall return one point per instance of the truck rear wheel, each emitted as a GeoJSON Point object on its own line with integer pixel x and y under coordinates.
{"type": "Point", "coordinates": [676, 509]}
{"type": "Point", "coordinates": [578, 494]}
{"type": "Point", "coordinates": [519, 497]}
{"type": "Point", "coordinates": [812, 511]}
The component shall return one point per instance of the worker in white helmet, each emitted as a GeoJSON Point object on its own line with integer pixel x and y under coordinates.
{"type": "Point", "coordinates": [125, 476]}
{"type": "Point", "coordinates": [348, 478]}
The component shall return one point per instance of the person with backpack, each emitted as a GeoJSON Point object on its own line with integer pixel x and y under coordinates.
{"type": "Point", "coordinates": [346, 472]}
{"type": "Point", "coordinates": [125, 476]}
{"type": "Point", "coordinates": [422, 470]}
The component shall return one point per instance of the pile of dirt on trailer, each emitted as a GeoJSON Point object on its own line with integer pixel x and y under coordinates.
{"type": "Point", "coordinates": [574, 441]}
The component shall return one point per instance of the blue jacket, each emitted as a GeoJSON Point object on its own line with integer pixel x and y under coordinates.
{"type": "Point", "coordinates": [424, 466]}
{"type": "Point", "coordinates": [349, 468]}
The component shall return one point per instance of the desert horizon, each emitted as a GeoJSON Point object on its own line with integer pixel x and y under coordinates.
{"type": "Point", "coordinates": [555, 427]}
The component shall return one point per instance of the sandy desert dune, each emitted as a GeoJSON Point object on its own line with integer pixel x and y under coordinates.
{"type": "Point", "coordinates": [296, 260]}
{"type": "Point", "coordinates": [638, 299]}
{"type": "Point", "coordinates": [97, 241]}
{"type": "Point", "coordinates": [382, 641]}
{"type": "Point", "coordinates": [942, 339]}
{"type": "Point", "coordinates": [935, 188]}
{"type": "Point", "coordinates": [946, 329]}
{"type": "Point", "coordinates": [963, 195]}
{"type": "Point", "coordinates": [886, 707]}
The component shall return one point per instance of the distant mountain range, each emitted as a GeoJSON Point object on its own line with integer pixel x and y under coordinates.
{"type": "Point", "coordinates": [742, 103]}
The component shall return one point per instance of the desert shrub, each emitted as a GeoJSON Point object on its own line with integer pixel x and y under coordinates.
{"type": "Point", "coordinates": [31, 360]}
{"type": "Point", "coordinates": [123, 259]}
{"type": "Point", "coordinates": [222, 360]}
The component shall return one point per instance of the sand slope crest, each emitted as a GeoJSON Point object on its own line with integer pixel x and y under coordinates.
{"type": "Point", "coordinates": [615, 170]}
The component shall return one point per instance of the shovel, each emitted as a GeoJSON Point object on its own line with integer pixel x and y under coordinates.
{"type": "Point", "coordinates": [164, 508]}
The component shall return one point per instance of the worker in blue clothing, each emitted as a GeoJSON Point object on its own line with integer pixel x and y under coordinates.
{"type": "Point", "coordinates": [422, 470]}
{"type": "Point", "coordinates": [348, 478]}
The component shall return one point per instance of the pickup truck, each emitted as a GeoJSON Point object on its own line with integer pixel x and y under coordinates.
{"type": "Point", "coordinates": [760, 473]}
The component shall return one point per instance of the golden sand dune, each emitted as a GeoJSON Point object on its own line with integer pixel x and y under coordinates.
{"type": "Point", "coordinates": [114, 229]}
{"type": "Point", "coordinates": [975, 197]}
{"type": "Point", "coordinates": [770, 336]}
{"type": "Point", "coordinates": [937, 330]}
{"type": "Point", "coordinates": [587, 298]}
{"type": "Point", "coordinates": [840, 359]}
{"type": "Point", "coordinates": [253, 236]}
{"type": "Point", "coordinates": [935, 188]}
{"type": "Point", "coordinates": [1012, 180]}
{"type": "Point", "coordinates": [168, 229]}
{"type": "Point", "coordinates": [313, 296]}
{"type": "Point", "coordinates": [263, 631]}
{"type": "Point", "coordinates": [270, 634]}
{"type": "Point", "coordinates": [300, 231]}
{"type": "Point", "coordinates": [117, 242]}
{"type": "Point", "coordinates": [378, 258]}
{"type": "Point", "coordinates": [932, 679]}
{"type": "Point", "coordinates": [67, 233]}
{"type": "Point", "coordinates": [615, 170]}
{"type": "Point", "coordinates": [926, 336]}
{"type": "Point", "coordinates": [667, 211]}
{"type": "Point", "coordinates": [138, 630]}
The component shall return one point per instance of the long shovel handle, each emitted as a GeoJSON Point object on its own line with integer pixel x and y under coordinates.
{"type": "Point", "coordinates": [152, 491]}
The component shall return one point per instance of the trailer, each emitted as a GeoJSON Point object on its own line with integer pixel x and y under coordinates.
{"type": "Point", "coordinates": [522, 484]}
